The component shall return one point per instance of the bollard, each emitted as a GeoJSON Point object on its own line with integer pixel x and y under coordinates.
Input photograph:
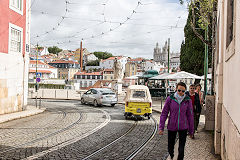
{"type": "Point", "coordinates": [40, 102]}
{"type": "Point", "coordinates": [67, 94]}
{"type": "Point", "coordinates": [36, 101]}
{"type": "Point", "coordinates": [161, 102]}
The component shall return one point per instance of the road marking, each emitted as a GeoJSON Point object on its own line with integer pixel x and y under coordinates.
{"type": "Point", "coordinates": [71, 141]}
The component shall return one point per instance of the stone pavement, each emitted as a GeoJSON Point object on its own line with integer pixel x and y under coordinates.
{"type": "Point", "coordinates": [30, 110]}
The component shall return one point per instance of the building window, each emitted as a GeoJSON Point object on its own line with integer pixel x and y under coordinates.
{"type": "Point", "coordinates": [230, 21]}
{"type": "Point", "coordinates": [17, 6]}
{"type": "Point", "coordinates": [90, 83]}
{"type": "Point", "coordinates": [105, 77]}
{"type": "Point", "coordinates": [88, 77]}
{"type": "Point", "coordinates": [15, 39]}
{"type": "Point", "coordinates": [98, 77]}
{"type": "Point", "coordinates": [83, 76]}
{"type": "Point", "coordinates": [93, 77]}
{"type": "Point", "coordinates": [80, 83]}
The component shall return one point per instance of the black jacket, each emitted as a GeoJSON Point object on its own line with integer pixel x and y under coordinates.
{"type": "Point", "coordinates": [197, 107]}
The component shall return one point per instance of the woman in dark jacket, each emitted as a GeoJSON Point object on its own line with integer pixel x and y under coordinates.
{"type": "Point", "coordinates": [180, 119]}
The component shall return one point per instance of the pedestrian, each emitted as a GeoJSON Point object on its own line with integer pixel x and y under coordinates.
{"type": "Point", "coordinates": [196, 105]}
{"type": "Point", "coordinates": [180, 120]}
{"type": "Point", "coordinates": [200, 93]}
{"type": "Point", "coordinates": [201, 99]}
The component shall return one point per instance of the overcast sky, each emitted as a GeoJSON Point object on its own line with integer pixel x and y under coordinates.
{"type": "Point", "coordinates": [122, 27]}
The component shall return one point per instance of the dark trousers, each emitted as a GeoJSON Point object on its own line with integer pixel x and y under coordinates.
{"type": "Point", "coordinates": [196, 120]}
{"type": "Point", "coordinates": [171, 142]}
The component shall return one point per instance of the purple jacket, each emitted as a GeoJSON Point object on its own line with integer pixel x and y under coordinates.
{"type": "Point", "coordinates": [181, 115]}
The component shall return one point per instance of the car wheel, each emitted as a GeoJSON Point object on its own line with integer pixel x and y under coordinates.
{"type": "Point", "coordinates": [95, 103]}
{"type": "Point", "coordinates": [82, 101]}
{"type": "Point", "coordinates": [112, 105]}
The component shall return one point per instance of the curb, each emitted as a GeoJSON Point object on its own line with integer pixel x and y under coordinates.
{"type": "Point", "coordinates": [18, 115]}
{"type": "Point", "coordinates": [155, 110]}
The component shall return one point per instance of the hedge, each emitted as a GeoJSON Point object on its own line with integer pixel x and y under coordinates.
{"type": "Point", "coordinates": [47, 86]}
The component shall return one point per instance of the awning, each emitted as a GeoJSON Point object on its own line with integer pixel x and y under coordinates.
{"type": "Point", "coordinates": [160, 77]}
{"type": "Point", "coordinates": [183, 75]}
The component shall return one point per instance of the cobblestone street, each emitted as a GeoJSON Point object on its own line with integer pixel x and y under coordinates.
{"type": "Point", "coordinates": [69, 130]}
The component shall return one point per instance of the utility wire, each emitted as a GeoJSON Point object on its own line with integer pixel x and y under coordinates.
{"type": "Point", "coordinates": [58, 24]}
{"type": "Point", "coordinates": [88, 27]}
{"type": "Point", "coordinates": [111, 29]}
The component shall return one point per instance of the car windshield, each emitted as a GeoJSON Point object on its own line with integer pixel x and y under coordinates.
{"type": "Point", "coordinates": [138, 94]}
{"type": "Point", "coordinates": [107, 92]}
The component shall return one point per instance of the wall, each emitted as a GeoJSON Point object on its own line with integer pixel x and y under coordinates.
{"type": "Point", "coordinates": [227, 141]}
{"type": "Point", "coordinates": [11, 83]}
{"type": "Point", "coordinates": [13, 66]}
{"type": "Point", "coordinates": [56, 94]}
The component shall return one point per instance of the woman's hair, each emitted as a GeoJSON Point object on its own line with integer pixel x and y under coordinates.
{"type": "Point", "coordinates": [199, 85]}
{"type": "Point", "coordinates": [192, 85]}
{"type": "Point", "coordinates": [181, 84]}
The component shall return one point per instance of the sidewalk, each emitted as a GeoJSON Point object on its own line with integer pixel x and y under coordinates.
{"type": "Point", "coordinates": [31, 110]}
{"type": "Point", "coordinates": [200, 148]}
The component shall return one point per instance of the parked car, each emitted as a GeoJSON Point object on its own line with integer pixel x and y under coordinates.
{"type": "Point", "coordinates": [99, 96]}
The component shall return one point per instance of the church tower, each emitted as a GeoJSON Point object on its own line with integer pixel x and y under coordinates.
{"type": "Point", "coordinates": [157, 53]}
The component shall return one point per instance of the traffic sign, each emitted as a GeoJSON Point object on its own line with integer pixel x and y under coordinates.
{"type": "Point", "coordinates": [38, 79]}
{"type": "Point", "coordinates": [38, 74]}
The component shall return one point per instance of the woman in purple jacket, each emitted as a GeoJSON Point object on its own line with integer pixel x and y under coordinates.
{"type": "Point", "coordinates": [180, 120]}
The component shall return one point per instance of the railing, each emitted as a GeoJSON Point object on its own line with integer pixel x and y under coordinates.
{"type": "Point", "coordinates": [56, 94]}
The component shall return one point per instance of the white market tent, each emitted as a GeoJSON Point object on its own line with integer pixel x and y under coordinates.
{"type": "Point", "coordinates": [178, 75]}
{"type": "Point", "coordinates": [183, 75]}
{"type": "Point", "coordinates": [159, 77]}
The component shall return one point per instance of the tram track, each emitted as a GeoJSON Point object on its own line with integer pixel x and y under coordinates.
{"type": "Point", "coordinates": [62, 115]}
{"type": "Point", "coordinates": [47, 136]}
{"type": "Point", "coordinates": [131, 156]}
{"type": "Point", "coordinates": [96, 152]}
{"type": "Point", "coordinates": [73, 140]}
{"type": "Point", "coordinates": [116, 141]}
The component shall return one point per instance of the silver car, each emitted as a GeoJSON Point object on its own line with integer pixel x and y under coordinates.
{"type": "Point", "coordinates": [99, 96]}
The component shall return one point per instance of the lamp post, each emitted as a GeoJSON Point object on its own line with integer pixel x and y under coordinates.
{"type": "Point", "coordinates": [36, 69]}
{"type": "Point", "coordinates": [206, 63]}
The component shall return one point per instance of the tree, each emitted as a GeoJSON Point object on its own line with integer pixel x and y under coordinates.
{"type": "Point", "coordinates": [54, 50]}
{"type": "Point", "coordinates": [39, 48]}
{"type": "Point", "coordinates": [93, 63]}
{"type": "Point", "coordinates": [192, 50]}
{"type": "Point", "coordinates": [206, 11]}
{"type": "Point", "coordinates": [102, 55]}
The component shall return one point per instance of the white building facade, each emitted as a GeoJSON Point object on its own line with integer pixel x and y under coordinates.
{"type": "Point", "coordinates": [227, 89]}
{"type": "Point", "coordinates": [152, 65]}
{"type": "Point", "coordinates": [109, 63]}
{"type": "Point", "coordinates": [84, 79]}
{"type": "Point", "coordinates": [46, 71]}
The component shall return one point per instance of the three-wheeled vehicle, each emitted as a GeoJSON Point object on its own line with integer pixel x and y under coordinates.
{"type": "Point", "coordinates": [138, 102]}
